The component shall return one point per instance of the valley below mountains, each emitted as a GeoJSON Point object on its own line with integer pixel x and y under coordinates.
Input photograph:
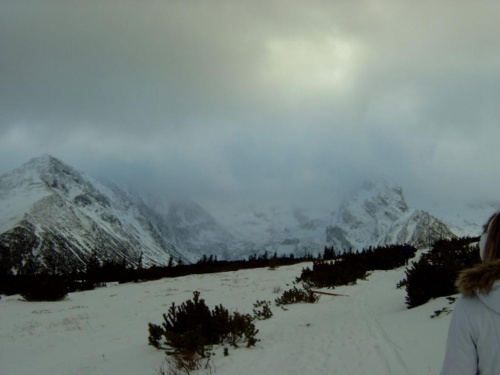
{"type": "Point", "coordinates": [54, 217]}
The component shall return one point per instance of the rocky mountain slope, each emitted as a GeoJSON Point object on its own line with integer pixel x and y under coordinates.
{"type": "Point", "coordinates": [55, 216]}
{"type": "Point", "coordinates": [194, 229]}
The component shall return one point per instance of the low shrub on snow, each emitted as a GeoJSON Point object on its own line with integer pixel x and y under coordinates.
{"type": "Point", "coordinates": [189, 328]}
{"type": "Point", "coordinates": [261, 310]}
{"type": "Point", "coordinates": [296, 295]}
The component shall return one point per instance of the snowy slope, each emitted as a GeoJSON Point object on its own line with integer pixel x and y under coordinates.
{"type": "Point", "coordinates": [104, 331]}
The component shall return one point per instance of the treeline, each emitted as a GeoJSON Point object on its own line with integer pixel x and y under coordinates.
{"type": "Point", "coordinates": [432, 276]}
{"type": "Point", "coordinates": [337, 269]}
{"type": "Point", "coordinates": [48, 286]}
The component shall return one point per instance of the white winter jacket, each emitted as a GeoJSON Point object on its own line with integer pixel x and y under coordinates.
{"type": "Point", "coordinates": [473, 345]}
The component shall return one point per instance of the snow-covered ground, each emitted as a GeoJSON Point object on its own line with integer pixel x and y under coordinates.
{"type": "Point", "coordinates": [367, 331]}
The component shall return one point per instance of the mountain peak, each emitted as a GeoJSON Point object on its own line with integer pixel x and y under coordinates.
{"type": "Point", "coordinates": [378, 194]}
{"type": "Point", "coordinates": [379, 182]}
{"type": "Point", "coordinates": [44, 158]}
{"type": "Point", "coordinates": [54, 174]}
{"type": "Point", "coordinates": [39, 174]}
{"type": "Point", "coordinates": [368, 215]}
{"type": "Point", "coordinates": [377, 214]}
{"type": "Point", "coordinates": [48, 163]}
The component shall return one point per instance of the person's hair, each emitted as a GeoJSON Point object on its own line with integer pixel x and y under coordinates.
{"type": "Point", "coordinates": [492, 246]}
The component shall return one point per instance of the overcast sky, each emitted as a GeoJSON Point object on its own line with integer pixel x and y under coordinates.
{"type": "Point", "coordinates": [229, 102]}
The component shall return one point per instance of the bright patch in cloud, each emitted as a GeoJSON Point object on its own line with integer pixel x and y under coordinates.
{"type": "Point", "coordinates": [310, 64]}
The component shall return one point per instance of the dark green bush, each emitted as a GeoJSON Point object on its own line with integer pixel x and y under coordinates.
{"type": "Point", "coordinates": [44, 288]}
{"type": "Point", "coordinates": [261, 310]}
{"type": "Point", "coordinates": [192, 326]}
{"type": "Point", "coordinates": [296, 295]}
{"type": "Point", "coordinates": [335, 273]}
{"type": "Point", "coordinates": [435, 273]}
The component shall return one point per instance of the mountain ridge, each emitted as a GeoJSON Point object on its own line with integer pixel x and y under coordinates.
{"type": "Point", "coordinates": [50, 210]}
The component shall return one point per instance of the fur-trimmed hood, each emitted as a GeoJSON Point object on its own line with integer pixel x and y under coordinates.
{"type": "Point", "coordinates": [479, 279]}
{"type": "Point", "coordinates": [482, 281]}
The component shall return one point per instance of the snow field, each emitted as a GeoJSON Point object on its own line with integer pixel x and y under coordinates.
{"type": "Point", "coordinates": [104, 331]}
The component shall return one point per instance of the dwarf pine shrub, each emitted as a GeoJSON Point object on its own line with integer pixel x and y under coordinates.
{"type": "Point", "coordinates": [296, 295]}
{"type": "Point", "coordinates": [333, 273]}
{"type": "Point", "coordinates": [192, 326]}
{"type": "Point", "coordinates": [262, 310]}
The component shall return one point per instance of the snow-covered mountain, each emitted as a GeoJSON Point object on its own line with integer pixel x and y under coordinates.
{"type": "Point", "coordinates": [378, 214]}
{"type": "Point", "coordinates": [53, 215]}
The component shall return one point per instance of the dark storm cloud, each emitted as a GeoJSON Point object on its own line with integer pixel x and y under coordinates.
{"type": "Point", "coordinates": [133, 65]}
{"type": "Point", "coordinates": [229, 101]}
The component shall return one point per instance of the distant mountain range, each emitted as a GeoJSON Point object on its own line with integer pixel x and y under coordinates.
{"type": "Point", "coordinates": [53, 216]}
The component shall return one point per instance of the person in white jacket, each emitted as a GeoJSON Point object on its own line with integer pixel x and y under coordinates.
{"type": "Point", "coordinates": [473, 345]}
